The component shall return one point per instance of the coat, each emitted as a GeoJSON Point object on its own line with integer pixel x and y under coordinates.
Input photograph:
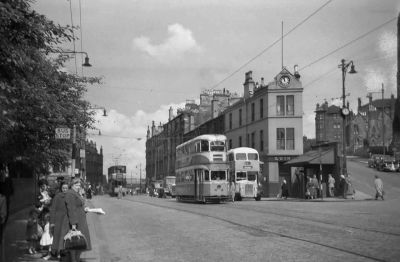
{"type": "Point", "coordinates": [76, 215]}
{"type": "Point", "coordinates": [58, 211]}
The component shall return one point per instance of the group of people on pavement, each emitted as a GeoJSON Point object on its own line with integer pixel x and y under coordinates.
{"type": "Point", "coordinates": [345, 188]}
{"type": "Point", "coordinates": [54, 215]}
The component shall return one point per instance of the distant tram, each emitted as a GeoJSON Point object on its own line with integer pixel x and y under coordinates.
{"type": "Point", "coordinates": [117, 178]}
{"type": "Point", "coordinates": [244, 170]}
{"type": "Point", "coordinates": [201, 170]}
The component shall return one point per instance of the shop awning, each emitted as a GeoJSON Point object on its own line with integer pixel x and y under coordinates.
{"type": "Point", "coordinates": [314, 157]}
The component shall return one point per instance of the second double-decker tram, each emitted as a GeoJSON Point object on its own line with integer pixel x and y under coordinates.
{"type": "Point", "coordinates": [244, 170]}
{"type": "Point", "coordinates": [201, 170]}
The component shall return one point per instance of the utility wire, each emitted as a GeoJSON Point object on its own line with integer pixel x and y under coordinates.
{"type": "Point", "coordinates": [73, 35]}
{"type": "Point", "coordinates": [270, 46]}
{"type": "Point", "coordinates": [348, 43]}
{"type": "Point", "coordinates": [80, 27]}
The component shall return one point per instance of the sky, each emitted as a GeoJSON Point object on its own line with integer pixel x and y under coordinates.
{"type": "Point", "coordinates": [157, 54]}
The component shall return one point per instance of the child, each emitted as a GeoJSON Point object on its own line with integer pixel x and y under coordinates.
{"type": "Point", "coordinates": [32, 232]}
{"type": "Point", "coordinates": [47, 239]}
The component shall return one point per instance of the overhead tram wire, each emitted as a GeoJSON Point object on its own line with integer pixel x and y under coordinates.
{"type": "Point", "coordinates": [348, 43]}
{"type": "Point", "coordinates": [271, 45]}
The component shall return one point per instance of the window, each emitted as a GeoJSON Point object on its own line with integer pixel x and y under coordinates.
{"type": "Point", "coordinates": [252, 111]}
{"type": "Point", "coordinates": [290, 138]}
{"type": "Point", "coordinates": [218, 175]}
{"type": "Point", "coordinates": [280, 105]}
{"type": "Point", "coordinates": [240, 117]}
{"type": "Point", "coordinates": [204, 146]}
{"type": "Point", "coordinates": [252, 156]}
{"type": "Point", "coordinates": [280, 138]}
{"type": "Point", "coordinates": [248, 140]}
{"type": "Point", "coordinates": [230, 120]}
{"type": "Point", "coordinates": [241, 156]}
{"type": "Point", "coordinates": [240, 176]}
{"type": "Point", "coordinates": [206, 175]}
{"type": "Point", "coordinates": [230, 143]}
{"type": "Point", "coordinates": [218, 146]}
{"type": "Point", "coordinates": [261, 140]}
{"type": "Point", "coordinates": [251, 175]}
{"type": "Point", "coordinates": [261, 108]}
{"type": "Point", "coordinates": [240, 141]}
{"type": "Point", "coordinates": [290, 105]}
{"type": "Point", "coordinates": [253, 138]}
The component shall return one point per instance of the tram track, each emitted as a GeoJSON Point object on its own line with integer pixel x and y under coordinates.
{"type": "Point", "coordinates": [264, 232]}
{"type": "Point", "coordinates": [249, 208]}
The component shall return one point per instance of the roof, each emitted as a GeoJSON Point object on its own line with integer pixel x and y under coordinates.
{"type": "Point", "coordinates": [243, 150]}
{"type": "Point", "coordinates": [314, 157]}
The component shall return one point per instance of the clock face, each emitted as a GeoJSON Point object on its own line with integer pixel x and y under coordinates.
{"type": "Point", "coordinates": [345, 111]}
{"type": "Point", "coordinates": [284, 81]}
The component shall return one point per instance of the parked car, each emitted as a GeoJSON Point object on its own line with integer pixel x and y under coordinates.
{"type": "Point", "coordinates": [389, 166]}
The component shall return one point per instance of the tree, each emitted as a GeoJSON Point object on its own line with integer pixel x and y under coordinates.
{"type": "Point", "coordinates": [35, 95]}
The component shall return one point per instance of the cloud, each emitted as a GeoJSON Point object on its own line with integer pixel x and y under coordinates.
{"type": "Point", "coordinates": [179, 42]}
{"type": "Point", "coordinates": [123, 137]}
{"type": "Point", "coordinates": [388, 43]}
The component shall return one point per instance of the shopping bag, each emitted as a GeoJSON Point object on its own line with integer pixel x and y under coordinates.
{"type": "Point", "coordinates": [75, 240]}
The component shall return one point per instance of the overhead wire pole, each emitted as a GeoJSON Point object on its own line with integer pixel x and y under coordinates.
{"type": "Point", "coordinates": [73, 35]}
{"type": "Point", "coordinates": [383, 122]}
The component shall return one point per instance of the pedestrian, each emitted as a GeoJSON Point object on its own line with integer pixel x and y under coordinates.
{"type": "Point", "coordinates": [47, 238]}
{"type": "Point", "coordinates": [331, 185]}
{"type": "Point", "coordinates": [6, 186]}
{"type": "Point", "coordinates": [285, 189]}
{"type": "Point", "coordinates": [76, 217]}
{"type": "Point", "coordinates": [342, 186]}
{"type": "Point", "coordinates": [315, 186]}
{"type": "Point", "coordinates": [58, 211]}
{"type": "Point", "coordinates": [119, 191]}
{"type": "Point", "coordinates": [379, 188]}
{"type": "Point", "coordinates": [309, 186]}
{"type": "Point", "coordinates": [89, 192]}
{"type": "Point", "coordinates": [350, 188]}
{"type": "Point", "coordinates": [32, 230]}
{"type": "Point", "coordinates": [3, 214]}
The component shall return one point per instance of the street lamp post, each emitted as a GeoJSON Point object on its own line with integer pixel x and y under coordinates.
{"type": "Point", "coordinates": [345, 111]}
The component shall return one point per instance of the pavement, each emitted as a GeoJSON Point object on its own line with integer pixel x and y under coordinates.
{"type": "Point", "coordinates": [14, 248]}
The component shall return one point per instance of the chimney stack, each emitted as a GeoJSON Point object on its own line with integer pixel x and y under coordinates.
{"type": "Point", "coordinates": [170, 113]}
{"type": "Point", "coordinates": [248, 85]}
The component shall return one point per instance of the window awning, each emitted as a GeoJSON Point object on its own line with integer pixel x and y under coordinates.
{"type": "Point", "coordinates": [314, 157]}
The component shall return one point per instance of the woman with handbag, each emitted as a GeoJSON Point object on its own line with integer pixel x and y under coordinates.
{"type": "Point", "coordinates": [76, 221]}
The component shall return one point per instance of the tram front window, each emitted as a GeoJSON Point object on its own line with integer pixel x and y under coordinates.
{"type": "Point", "coordinates": [253, 156]}
{"type": "Point", "coordinates": [218, 146]}
{"type": "Point", "coordinates": [204, 146]}
{"type": "Point", "coordinates": [240, 176]}
{"type": "Point", "coordinates": [218, 175]}
{"type": "Point", "coordinates": [252, 176]}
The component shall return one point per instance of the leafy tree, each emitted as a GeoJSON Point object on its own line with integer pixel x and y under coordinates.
{"type": "Point", "coordinates": [36, 96]}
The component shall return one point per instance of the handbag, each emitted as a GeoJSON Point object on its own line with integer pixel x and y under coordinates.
{"type": "Point", "coordinates": [75, 240]}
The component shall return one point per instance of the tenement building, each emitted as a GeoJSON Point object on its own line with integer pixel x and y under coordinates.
{"type": "Point", "coordinates": [367, 131]}
{"type": "Point", "coordinates": [269, 118]}
{"type": "Point", "coordinates": [187, 123]}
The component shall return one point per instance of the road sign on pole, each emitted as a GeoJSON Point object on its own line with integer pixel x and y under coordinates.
{"type": "Point", "coordinates": [63, 133]}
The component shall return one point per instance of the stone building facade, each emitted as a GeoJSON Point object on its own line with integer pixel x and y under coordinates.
{"type": "Point", "coordinates": [269, 118]}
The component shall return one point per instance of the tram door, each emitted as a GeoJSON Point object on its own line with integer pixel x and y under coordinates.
{"type": "Point", "coordinates": [198, 184]}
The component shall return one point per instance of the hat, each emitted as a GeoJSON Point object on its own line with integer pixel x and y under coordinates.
{"type": "Point", "coordinates": [342, 176]}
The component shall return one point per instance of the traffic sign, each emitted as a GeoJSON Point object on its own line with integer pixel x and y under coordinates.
{"type": "Point", "coordinates": [63, 133]}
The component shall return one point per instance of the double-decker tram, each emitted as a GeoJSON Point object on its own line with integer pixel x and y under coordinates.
{"type": "Point", "coordinates": [244, 170]}
{"type": "Point", "coordinates": [201, 170]}
{"type": "Point", "coordinates": [117, 180]}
